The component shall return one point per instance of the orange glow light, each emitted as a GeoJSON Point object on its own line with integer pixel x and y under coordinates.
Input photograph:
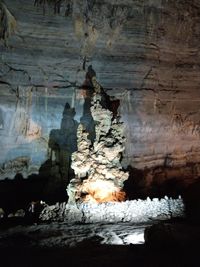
{"type": "Point", "coordinates": [102, 191]}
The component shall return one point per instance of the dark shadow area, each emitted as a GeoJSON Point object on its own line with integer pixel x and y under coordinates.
{"type": "Point", "coordinates": [88, 86]}
{"type": "Point", "coordinates": [135, 185]}
{"type": "Point", "coordinates": [192, 202]}
{"type": "Point", "coordinates": [158, 181]}
{"type": "Point", "coordinates": [19, 193]}
{"type": "Point", "coordinates": [91, 255]}
{"type": "Point", "coordinates": [87, 91]}
{"type": "Point", "coordinates": [57, 170]}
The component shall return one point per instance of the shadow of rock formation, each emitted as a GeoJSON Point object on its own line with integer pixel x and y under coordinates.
{"type": "Point", "coordinates": [54, 174]}
{"type": "Point", "coordinates": [87, 91]}
{"type": "Point", "coordinates": [62, 143]}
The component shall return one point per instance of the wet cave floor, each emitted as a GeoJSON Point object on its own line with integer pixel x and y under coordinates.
{"type": "Point", "coordinates": [170, 243]}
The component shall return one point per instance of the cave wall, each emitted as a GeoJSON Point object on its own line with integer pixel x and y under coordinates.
{"type": "Point", "coordinates": [145, 53]}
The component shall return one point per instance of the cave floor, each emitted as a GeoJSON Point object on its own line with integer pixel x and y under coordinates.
{"type": "Point", "coordinates": [61, 244]}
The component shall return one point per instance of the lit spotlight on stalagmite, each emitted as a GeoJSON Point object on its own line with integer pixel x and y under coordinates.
{"type": "Point", "coordinates": [99, 176]}
{"type": "Point", "coordinates": [96, 195]}
{"type": "Point", "coordinates": [102, 191]}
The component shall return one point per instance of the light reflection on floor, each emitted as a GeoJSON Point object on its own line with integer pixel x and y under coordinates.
{"type": "Point", "coordinates": [71, 235]}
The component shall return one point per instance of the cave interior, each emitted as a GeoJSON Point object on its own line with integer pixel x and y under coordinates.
{"type": "Point", "coordinates": [141, 60]}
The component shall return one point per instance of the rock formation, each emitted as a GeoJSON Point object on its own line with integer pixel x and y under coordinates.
{"type": "Point", "coordinates": [146, 54]}
{"type": "Point", "coordinates": [99, 174]}
{"type": "Point", "coordinates": [135, 211]}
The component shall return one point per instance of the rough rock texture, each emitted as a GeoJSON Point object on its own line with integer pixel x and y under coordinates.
{"type": "Point", "coordinates": [97, 166]}
{"type": "Point", "coordinates": [135, 211]}
{"type": "Point", "coordinates": [65, 235]}
{"type": "Point", "coordinates": [145, 52]}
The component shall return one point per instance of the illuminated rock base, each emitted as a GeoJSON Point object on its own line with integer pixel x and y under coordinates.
{"type": "Point", "coordinates": [136, 211]}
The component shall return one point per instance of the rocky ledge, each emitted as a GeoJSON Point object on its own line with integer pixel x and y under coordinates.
{"type": "Point", "coordinates": [136, 211]}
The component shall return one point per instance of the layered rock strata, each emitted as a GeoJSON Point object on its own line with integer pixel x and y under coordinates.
{"type": "Point", "coordinates": [146, 53]}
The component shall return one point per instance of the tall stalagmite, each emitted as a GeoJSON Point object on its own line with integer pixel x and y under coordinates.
{"type": "Point", "coordinates": [99, 174]}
